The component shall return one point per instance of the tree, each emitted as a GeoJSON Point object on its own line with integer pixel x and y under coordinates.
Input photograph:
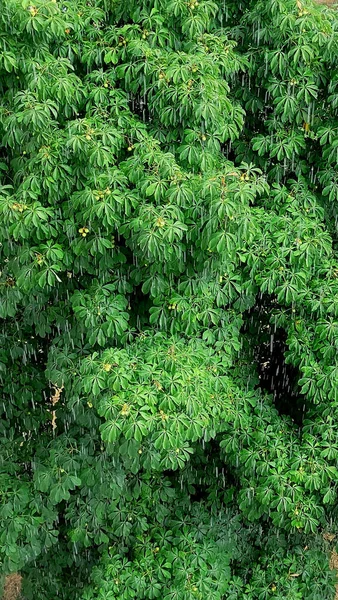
{"type": "Point", "coordinates": [169, 203]}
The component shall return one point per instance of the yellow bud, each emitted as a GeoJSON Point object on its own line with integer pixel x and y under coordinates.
{"type": "Point", "coordinates": [160, 222]}
{"type": "Point", "coordinates": [125, 409]}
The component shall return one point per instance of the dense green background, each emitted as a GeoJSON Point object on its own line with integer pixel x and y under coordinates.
{"type": "Point", "coordinates": [168, 205]}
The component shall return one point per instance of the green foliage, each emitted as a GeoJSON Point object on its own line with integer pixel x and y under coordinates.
{"type": "Point", "coordinates": [166, 167]}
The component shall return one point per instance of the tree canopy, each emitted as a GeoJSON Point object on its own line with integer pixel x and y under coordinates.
{"type": "Point", "coordinates": [168, 199]}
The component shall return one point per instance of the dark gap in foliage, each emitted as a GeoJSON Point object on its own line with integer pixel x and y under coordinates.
{"type": "Point", "coordinates": [139, 106]}
{"type": "Point", "coordinates": [267, 351]}
{"type": "Point", "coordinates": [228, 151]}
{"type": "Point", "coordinates": [278, 377]}
{"type": "Point", "coordinates": [199, 476]}
{"type": "Point", "coordinates": [71, 572]}
{"type": "Point", "coordinates": [140, 304]}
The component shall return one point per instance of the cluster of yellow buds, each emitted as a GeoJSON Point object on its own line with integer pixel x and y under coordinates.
{"type": "Point", "coordinates": [107, 367]}
{"type": "Point", "coordinates": [176, 178]}
{"type": "Point", "coordinates": [172, 306]}
{"type": "Point", "coordinates": [125, 409]}
{"type": "Point", "coordinates": [99, 194]}
{"type": "Point", "coordinates": [164, 417]}
{"type": "Point", "coordinates": [84, 231]}
{"type": "Point", "coordinates": [45, 149]}
{"type": "Point", "coordinates": [39, 259]}
{"type": "Point", "coordinates": [33, 10]}
{"type": "Point", "coordinates": [145, 34]}
{"type": "Point", "coordinates": [193, 4]}
{"type": "Point", "coordinates": [17, 206]}
{"type": "Point", "coordinates": [89, 134]}
{"type": "Point", "coordinates": [160, 222]}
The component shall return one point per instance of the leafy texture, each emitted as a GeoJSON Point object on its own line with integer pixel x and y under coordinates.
{"type": "Point", "coordinates": [168, 202]}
